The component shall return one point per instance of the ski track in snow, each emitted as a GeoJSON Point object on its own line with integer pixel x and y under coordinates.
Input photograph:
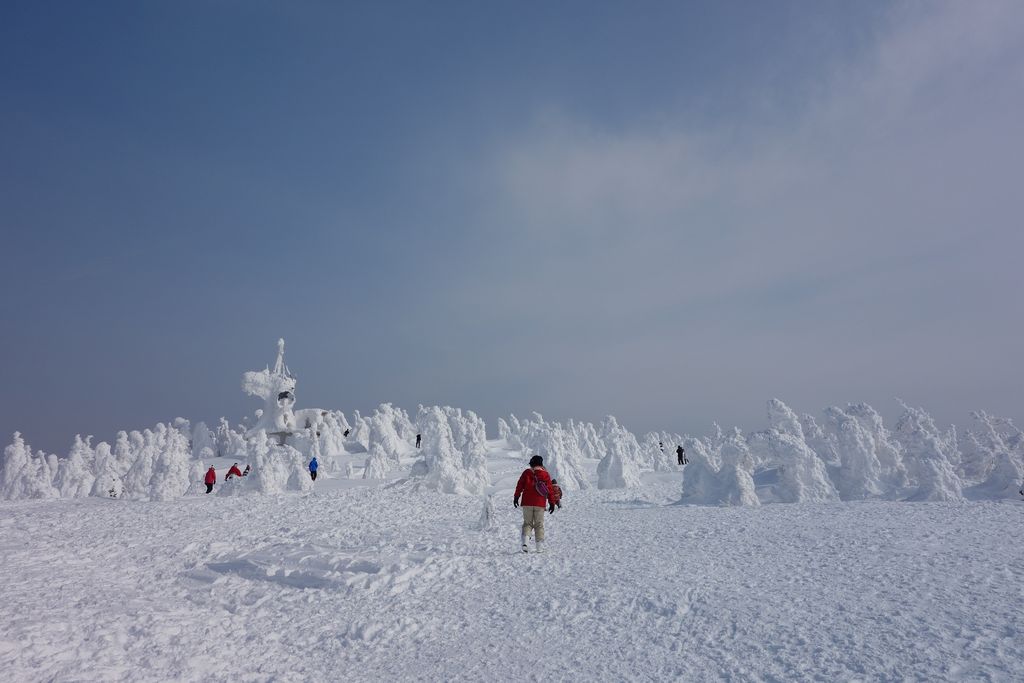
{"type": "Point", "coordinates": [396, 583]}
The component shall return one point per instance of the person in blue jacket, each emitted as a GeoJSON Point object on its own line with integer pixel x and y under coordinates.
{"type": "Point", "coordinates": [313, 466]}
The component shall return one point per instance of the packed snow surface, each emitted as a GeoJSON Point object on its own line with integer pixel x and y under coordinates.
{"type": "Point", "coordinates": [362, 579]}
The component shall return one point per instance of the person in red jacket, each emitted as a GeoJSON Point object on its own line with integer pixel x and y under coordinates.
{"type": "Point", "coordinates": [233, 472]}
{"type": "Point", "coordinates": [211, 478]}
{"type": "Point", "coordinates": [556, 494]}
{"type": "Point", "coordinates": [534, 487]}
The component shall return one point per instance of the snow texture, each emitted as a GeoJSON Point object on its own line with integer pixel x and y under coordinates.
{"type": "Point", "coordinates": [307, 586]}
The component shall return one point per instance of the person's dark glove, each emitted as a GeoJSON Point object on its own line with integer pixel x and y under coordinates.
{"type": "Point", "coordinates": [551, 507]}
{"type": "Point", "coordinates": [515, 502]}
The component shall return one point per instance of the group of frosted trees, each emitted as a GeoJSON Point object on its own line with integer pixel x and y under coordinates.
{"type": "Point", "coordinates": [846, 454]}
{"type": "Point", "coordinates": [564, 448]}
{"type": "Point", "coordinates": [851, 455]}
{"type": "Point", "coordinates": [157, 464]}
{"type": "Point", "coordinates": [169, 461]}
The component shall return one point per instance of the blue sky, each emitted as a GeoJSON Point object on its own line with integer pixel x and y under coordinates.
{"type": "Point", "coordinates": [669, 212]}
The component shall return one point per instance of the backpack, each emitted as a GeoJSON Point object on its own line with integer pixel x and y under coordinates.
{"type": "Point", "coordinates": [538, 485]}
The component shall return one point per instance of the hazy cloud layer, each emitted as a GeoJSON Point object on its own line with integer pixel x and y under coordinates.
{"type": "Point", "coordinates": [862, 246]}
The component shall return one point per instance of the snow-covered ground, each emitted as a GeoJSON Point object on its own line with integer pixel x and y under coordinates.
{"type": "Point", "coordinates": [371, 581]}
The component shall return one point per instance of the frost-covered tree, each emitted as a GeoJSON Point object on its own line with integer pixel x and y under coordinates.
{"type": "Point", "coordinates": [513, 433]}
{"type": "Point", "coordinates": [819, 440]}
{"type": "Point", "coordinates": [618, 468]}
{"type": "Point", "coordinates": [202, 437]}
{"type": "Point", "coordinates": [123, 454]}
{"type": "Point", "coordinates": [230, 443]}
{"type": "Point", "coordinates": [860, 472]}
{"type": "Point", "coordinates": [332, 434]}
{"type": "Point", "coordinates": [731, 483]}
{"type": "Point", "coordinates": [658, 451]}
{"type": "Point", "coordinates": [561, 453]}
{"type": "Point", "coordinates": [183, 425]}
{"type": "Point", "coordinates": [1005, 478]}
{"type": "Point", "coordinates": [378, 464]}
{"type": "Point", "coordinates": [591, 445]}
{"type": "Point", "coordinates": [783, 420]}
{"type": "Point", "coordinates": [74, 474]}
{"type": "Point", "coordinates": [440, 464]}
{"type": "Point", "coordinates": [23, 475]}
{"type": "Point", "coordinates": [360, 431]}
{"type": "Point", "coordinates": [108, 483]}
{"type": "Point", "coordinates": [736, 474]}
{"type": "Point", "coordinates": [504, 433]}
{"type": "Point", "coordinates": [298, 468]}
{"type": "Point", "coordinates": [473, 447]}
{"type": "Point", "coordinates": [928, 454]}
{"type": "Point", "coordinates": [196, 476]}
{"type": "Point", "coordinates": [270, 471]}
{"type": "Point", "coordinates": [146, 449]}
{"type": "Point", "coordinates": [384, 435]}
{"type": "Point", "coordinates": [488, 519]}
{"type": "Point", "coordinates": [802, 474]}
{"type": "Point", "coordinates": [981, 445]}
{"type": "Point", "coordinates": [886, 449]}
{"type": "Point", "coordinates": [269, 474]}
{"type": "Point", "coordinates": [171, 468]}
{"type": "Point", "coordinates": [700, 477]}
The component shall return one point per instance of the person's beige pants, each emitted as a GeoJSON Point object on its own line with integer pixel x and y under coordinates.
{"type": "Point", "coordinates": [533, 518]}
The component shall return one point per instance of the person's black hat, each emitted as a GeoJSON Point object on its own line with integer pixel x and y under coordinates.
{"type": "Point", "coordinates": [536, 460]}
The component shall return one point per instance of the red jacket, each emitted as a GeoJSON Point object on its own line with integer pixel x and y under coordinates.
{"type": "Point", "coordinates": [528, 490]}
{"type": "Point", "coordinates": [233, 472]}
{"type": "Point", "coordinates": [211, 476]}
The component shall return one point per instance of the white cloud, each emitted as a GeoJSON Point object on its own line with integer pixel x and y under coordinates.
{"type": "Point", "coordinates": [883, 217]}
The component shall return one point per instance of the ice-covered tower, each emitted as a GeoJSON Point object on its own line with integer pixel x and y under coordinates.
{"type": "Point", "coordinates": [277, 389]}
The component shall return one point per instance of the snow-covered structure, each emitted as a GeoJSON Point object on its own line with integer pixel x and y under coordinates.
{"type": "Point", "coordinates": [277, 389]}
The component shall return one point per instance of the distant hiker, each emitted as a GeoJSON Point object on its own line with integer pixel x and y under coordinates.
{"type": "Point", "coordinates": [556, 494]}
{"type": "Point", "coordinates": [346, 432]}
{"type": "Point", "coordinates": [661, 447]}
{"type": "Point", "coordinates": [418, 440]}
{"type": "Point", "coordinates": [211, 478]}
{"type": "Point", "coordinates": [681, 455]}
{"type": "Point", "coordinates": [245, 472]}
{"type": "Point", "coordinates": [535, 488]}
{"type": "Point", "coordinates": [233, 472]}
{"type": "Point", "coordinates": [313, 467]}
